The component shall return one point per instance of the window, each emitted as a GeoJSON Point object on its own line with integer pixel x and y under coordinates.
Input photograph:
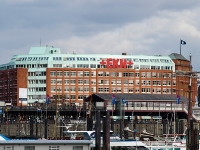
{"type": "Point", "coordinates": [80, 81]}
{"type": "Point", "coordinates": [77, 147]}
{"type": "Point", "coordinates": [86, 74]}
{"type": "Point", "coordinates": [66, 73]}
{"type": "Point", "coordinates": [73, 74]}
{"type": "Point", "coordinates": [100, 90]}
{"type": "Point", "coordinates": [137, 74]}
{"type": "Point", "coordinates": [29, 147]}
{"type": "Point", "coordinates": [59, 81]}
{"type": "Point", "coordinates": [52, 73]}
{"type": "Point", "coordinates": [59, 73]}
{"type": "Point", "coordinates": [53, 147]}
{"type": "Point", "coordinates": [8, 147]}
{"type": "Point", "coordinates": [125, 74]}
{"type": "Point", "coordinates": [113, 74]}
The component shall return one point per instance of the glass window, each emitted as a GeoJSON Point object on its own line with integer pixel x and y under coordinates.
{"type": "Point", "coordinates": [8, 147]}
{"type": "Point", "coordinates": [29, 147]}
{"type": "Point", "coordinates": [53, 147]}
{"type": "Point", "coordinates": [77, 147]}
{"type": "Point", "coordinates": [59, 73]}
{"type": "Point", "coordinates": [52, 73]}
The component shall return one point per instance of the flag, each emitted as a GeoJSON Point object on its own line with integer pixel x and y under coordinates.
{"type": "Point", "coordinates": [38, 109]}
{"type": "Point", "coordinates": [183, 42]}
{"type": "Point", "coordinates": [178, 99]}
{"type": "Point", "coordinates": [47, 99]}
{"type": "Point", "coordinates": [123, 101]}
{"type": "Point", "coordinates": [113, 100]}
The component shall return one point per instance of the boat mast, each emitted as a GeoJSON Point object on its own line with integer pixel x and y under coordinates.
{"type": "Point", "coordinates": [56, 118]}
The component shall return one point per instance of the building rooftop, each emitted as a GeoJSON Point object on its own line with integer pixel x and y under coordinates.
{"type": "Point", "coordinates": [135, 97]}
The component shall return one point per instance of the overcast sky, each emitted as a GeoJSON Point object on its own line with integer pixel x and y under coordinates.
{"type": "Point", "coordinates": [101, 26]}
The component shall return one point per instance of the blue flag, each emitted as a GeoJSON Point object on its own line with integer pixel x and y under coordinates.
{"type": "Point", "coordinates": [178, 99]}
{"type": "Point", "coordinates": [47, 99]}
{"type": "Point", "coordinates": [123, 101]}
{"type": "Point", "coordinates": [113, 100]}
{"type": "Point", "coordinates": [39, 109]}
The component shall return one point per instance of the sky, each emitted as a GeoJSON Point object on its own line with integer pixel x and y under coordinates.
{"type": "Point", "coordinates": [148, 27]}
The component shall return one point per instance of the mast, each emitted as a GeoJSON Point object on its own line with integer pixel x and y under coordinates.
{"type": "Point", "coordinates": [56, 118]}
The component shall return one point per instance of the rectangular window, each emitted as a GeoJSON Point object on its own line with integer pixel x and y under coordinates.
{"type": "Point", "coordinates": [66, 73]}
{"type": "Point", "coordinates": [86, 73]}
{"type": "Point", "coordinates": [73, 74]}
{"type": "Point", "coordinates": [86, 89]}
{"type": "Point", "coordinates": [100, 89]}
{"type": "Point", "coordinates": [126, 82]}
{"type": "Point", "coordinates": [53, 81]}
{"type": "Point", "coordinates": [59, 73]}
{"type": "Point", "coordinates": [53, 147]}
{"type": "Point", "coordinates": [59, 81]}
{"type": "Point", "coordinates": [143, 82]}
{"type": "Point", "coordinates": [125, 74]}
{"type": "Point", "coordinates": [86, 81]}
{"type": "Point", "coordinates": [8, 147]}
{"type": "Point", "coordinates": [52, 73]}
{"type": "Point", "coordinates": [73, 81]}
{"type": "Point", "coordinates": [143, 74]}
{"type": "Point", "coordinates": [80, 81]}
{"type": "Point", "coordinates": [29, 147]}
{"type": "Point", "coordinates": [100, 74]}
{"type": "Point", "coordinates": [131, 82]}
{"type": "Point", "coordinates": [131, 74]}
{"type": "Point", "coordinates": [113, 74]}
{"type": "Point", "coordinates": [143, 90]}
{"type": "Point", "coordinates": [77, 147]}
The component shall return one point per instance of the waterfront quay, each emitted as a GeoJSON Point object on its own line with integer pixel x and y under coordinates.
{"type": "Point", "coordinates": [29, 121]}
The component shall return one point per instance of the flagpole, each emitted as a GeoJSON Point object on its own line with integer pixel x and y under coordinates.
{"type": "Point", "coordinates": [112, 110]}
{"type": "Point", "coordinates": [180, 46]}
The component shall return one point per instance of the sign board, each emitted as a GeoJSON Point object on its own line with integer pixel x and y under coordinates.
{"type": "Point", "coordinates": [23, 94]}
{"type": "Point", "coordinates": [116, 63]}
{"type": "Point", "coordinates": [99, 104]}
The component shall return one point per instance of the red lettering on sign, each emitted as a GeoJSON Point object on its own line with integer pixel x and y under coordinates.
{"type": "Point", "coordinates": [129, 63]}
{"type": "Point", "coordinates": [109, 63]}
{"type": "Point", "coordinates": [102, 62]}
{"type": "Point", "coordinates": [122, 63]}
{"type": "Point", "coordinates": [116, 63]}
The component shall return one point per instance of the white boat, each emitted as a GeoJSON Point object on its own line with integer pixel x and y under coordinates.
{"type": "Point", "coordinates": [3, 138]}
{"type": "Point", "coordinates": [115, 140]}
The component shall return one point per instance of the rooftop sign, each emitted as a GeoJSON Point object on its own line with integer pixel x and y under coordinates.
{"type": "Point", "coordinates": [116, 63]}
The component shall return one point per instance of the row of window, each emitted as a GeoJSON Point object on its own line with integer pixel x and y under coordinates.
{"type": "Point", "coordinates": [70, 89]}
{"type": "Point", "coordinates": [137, 90]}
{"type": "Point", "coordinates": [114, 74]}
{"type": "Point", "coordinates": [33, 148]}
{"type": "Point", "coordinates": [91, 59]}
{"type": "Point", "coordinates": [31, 58]}
{"type": "Point", "coordinates": [71, 81]}
{"type": "Point", "coordinates": [32, 66]}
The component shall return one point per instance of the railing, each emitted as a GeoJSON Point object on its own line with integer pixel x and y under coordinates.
{"type": "Point", "coordinates": [150, 106]}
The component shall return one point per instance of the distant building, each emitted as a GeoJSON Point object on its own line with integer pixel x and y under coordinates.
{"type": "Point", "coordinates": [28, 78]}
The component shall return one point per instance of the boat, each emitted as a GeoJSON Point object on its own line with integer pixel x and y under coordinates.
{"type": "Point", "coordinates": [3, 138]}
{"type": "Point", "coordinates": [115, 141]}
